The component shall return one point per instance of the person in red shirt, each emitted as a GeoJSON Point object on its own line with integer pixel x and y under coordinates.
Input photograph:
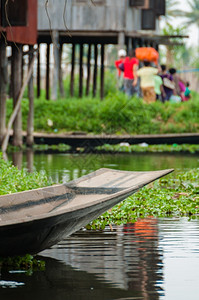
{"type": "Point", "coordinates": [129, 67]}
{"type": "Point", "coordinates": [121, 55]}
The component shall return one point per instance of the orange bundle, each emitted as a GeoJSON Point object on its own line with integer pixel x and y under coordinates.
{"type": "Point", "coordinates": [147, 53]}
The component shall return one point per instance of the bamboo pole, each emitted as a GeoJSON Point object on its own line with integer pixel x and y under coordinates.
{"type": "Point", "coordinates": [17, 106]}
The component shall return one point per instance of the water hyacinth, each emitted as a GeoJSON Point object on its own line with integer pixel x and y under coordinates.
{"type": "Point", "coordinates": [13, 180]}
{"type": "Point", "coordinates": [175, 194]}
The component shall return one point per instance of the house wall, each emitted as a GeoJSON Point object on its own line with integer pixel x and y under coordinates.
{"type": "Point", "coordinates": [110, 15]}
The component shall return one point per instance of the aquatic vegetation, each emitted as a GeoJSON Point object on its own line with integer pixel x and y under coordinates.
{"type": "Point", "coordinates": [27, 263]}
{"type": "Point", "coordinates": [126, 148]}
{"type": "Point", "coordinates": [175, 194]}
{"type": "Point", "coordinates": [59, 147]}
{"type": "Point", "coordinates": [13, 180]}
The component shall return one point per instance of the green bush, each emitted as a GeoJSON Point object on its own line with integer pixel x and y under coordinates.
{"type": "Point", "coordinates": [115, 114]}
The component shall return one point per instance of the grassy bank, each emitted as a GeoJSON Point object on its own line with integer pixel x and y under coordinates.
{"type": "Point", "coordinates": [116, 114]}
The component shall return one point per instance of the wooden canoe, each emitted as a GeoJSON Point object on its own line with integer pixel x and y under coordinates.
{"type": "Point", "coordinates": [34, 220]}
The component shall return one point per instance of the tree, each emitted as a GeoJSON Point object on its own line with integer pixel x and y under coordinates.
{"type": "Point", "coordinates": [173, 51]}
{"type": "Point", "coordinates": [171, 10]}
{"type": "Point", "coordinates": [192, 15]}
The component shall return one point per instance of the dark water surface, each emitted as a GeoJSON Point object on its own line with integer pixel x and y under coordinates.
{"type": "Point", "coordinates": [63, 167]}
{"type": "Point", "coordinates": [150, 259]}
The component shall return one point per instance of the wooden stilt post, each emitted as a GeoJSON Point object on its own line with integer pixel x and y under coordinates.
{"type": "Point", "coordinates": [157, 46]}
{"type": "Point", "coordinates": [146, 43]}
{"type": "Point", "coordinates": [102, 73]}
{"type": "Point", "coordinates": [30, 160]}
{"type": "Point", "coordinates": [16, 86]}
{"type": "Point", "coordinates": [130, 44]}
{"type": "Point", "coordinates": [38, 73]}
{"type": "Point", "coordinates": [17, 158]}
{"type": "Point", "coordinates": [134, 43]}
{"type": "Point", "coordinates": [121, 40]}
{"type": "Point", "coordinates": [55, 35]}
{"type": "Point", "coordinates": [17, 107]}
{"type": "Point", "coordinates": [22, 66]}
{"type": "Point", "coordinates": [3, 86]}
{"type": "Point", "coordinates": [61, 84]}
{"type": "Point", "coordinates": [140, 42]}
{"type": "Point", "coordinates": [48, 71]}
{"type": "Point", "coordinates": [95, 70]}
{"type": "Point", "coordinates": [88, 70]}
{"type": "Point", "coordinates": [30, 123]}
{"type": "Point", "coordinates": [81, 70]}
{"type": "Point", "coordinates": [72, 71]}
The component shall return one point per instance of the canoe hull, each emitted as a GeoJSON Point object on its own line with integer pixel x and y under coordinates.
{"type": "Point", "coordinates": [35, 220]}
{"type": "Point", "coordinates": [33, 237]}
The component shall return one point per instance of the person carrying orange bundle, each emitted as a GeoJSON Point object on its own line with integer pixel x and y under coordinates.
{"type": "Point", "coordinates": [148, 54]}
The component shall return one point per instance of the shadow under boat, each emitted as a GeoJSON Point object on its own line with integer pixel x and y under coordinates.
{"type": "Point", "coordinates": [34, 220]}
{"type": "Point", "coordinates": [60, 281]}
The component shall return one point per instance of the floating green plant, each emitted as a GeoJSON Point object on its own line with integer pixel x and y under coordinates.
{"type": "Point", "coordinates": [27, 263]}
{"type": "Point", "coordinates": [173, 195]}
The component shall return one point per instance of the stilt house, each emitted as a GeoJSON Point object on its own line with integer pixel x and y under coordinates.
{"type": "Point", "coordinates": [95, 23]}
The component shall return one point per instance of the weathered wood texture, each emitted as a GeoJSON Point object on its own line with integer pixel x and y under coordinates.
{"type": "Point", "coordinates": [107, 15]}
{"type": "Point", "coordinates": [26, 35]}
{"type": "Point", "coordinates": [61, 83]}
{"type": "Point", "coordinates": [16, 86]}
{"type": "Point", "coordinates": [48, 71]}
{"type": "Point", "coordinates": [34, 220]}
{"type": "Point", "coordinates": [15, 117]}
{"type": "Point", "coordinates": [102, 73]}
{"type": "Point", "coordinates": [38, 73]}
{"type": "Point", "coordinates": [95, 70]}
{"type": "Point", "coordinates": [55, 37]}
{"type": "Point", "coordinates": [72, 71]}
{"type": "Point", "coordinates": [88, 70]}
{"type": "Point", "coordinates": [81, 70]}
{"type": "Point", "coordinates": [30, 122]}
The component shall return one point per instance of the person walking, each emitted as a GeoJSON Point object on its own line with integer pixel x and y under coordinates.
{"type": "Point", "coordinates": [147, 81]}
{"type": "Point", "coordinates": [129, 67]}
{"type": "Point", "coordinates": [159, 90]}
{"type": "Point", "coordinates": [120, 80]}
{"type": "Point", "coordinates": [187, 92]}
{"type": "Point", "coordinates": [168, 83]}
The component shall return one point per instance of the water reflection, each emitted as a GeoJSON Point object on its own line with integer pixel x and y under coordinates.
{"type": "Point", "coordinates": [127, 258]}
{"type": "Point", "coordinates": [121, 264]}
{"type": "Point", "coordinates": [63, 167]}
{"type": "Point", "coordinates": [151, 259]}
